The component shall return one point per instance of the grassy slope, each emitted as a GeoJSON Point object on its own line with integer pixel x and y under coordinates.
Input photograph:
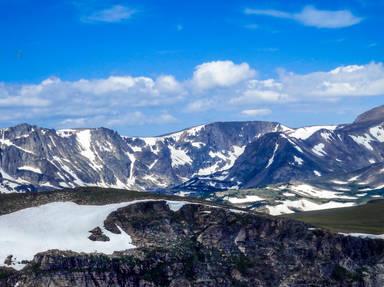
{"type": "Point", "coordinates": [367, 218]}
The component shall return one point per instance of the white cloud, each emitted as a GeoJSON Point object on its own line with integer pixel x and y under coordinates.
{"type": "Point", "coordinates": [310, 16]}
{"type": "Point", "coordinates": [134, 91]}
{"type": "Point", "coordinates": [220, 74]}
{"type": "Point", "coordinates": [128, 100]}
{"type": "Point", "coordinates": [92, 102]}
{"type": "Point", "coordinates": [200, 105]}
{"type": "Point", "coordinates": [260, 91]}
{"type": "Point", "coordinates": [140, 118]}
{"type": "Point", "coordinates": [136, 118]}
{"type": "Point", "coordinates": [256, 112]}
{"type": "Point", "coordinates": [344, 81]}
{"type": "Point", "coordinates": [114, 14]}
{"type": "Point", "coordinates": [74, 123]}
{"type": "Point", "coordinates": [168, 84]}
{"type": "Point", "coordinates": [23, 102]}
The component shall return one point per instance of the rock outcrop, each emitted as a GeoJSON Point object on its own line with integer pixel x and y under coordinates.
{"type": "Point", "coordinates": [199, 245]}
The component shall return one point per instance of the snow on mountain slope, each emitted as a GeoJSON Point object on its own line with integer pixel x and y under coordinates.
{"type": "Point", "coordinates": [306, 132]}
{"type": "Point", "coordinates": [172, 159]}
{"type": "Point", "coordinates": [291, 206]}
{"type": "Point", "coordinates": [30, 168]}
{"type": "Point", "coordinates": [84, 140]}
{"type": "Point", "coordinates": [319, 158]}
{"type": "Point", "coordinates": [39, 159]}
{"type": "Point", "coordinates": [179, 157]}
{"type": "Point", "coordinates": [59, 225]}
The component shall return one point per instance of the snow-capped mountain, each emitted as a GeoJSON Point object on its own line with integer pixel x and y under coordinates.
{"type": "Point", "coordinates": [202, 159]}
{"type": "Point", "coordinates": [303, 154]}
{"type": "Point", "coordinates": [33, 158]}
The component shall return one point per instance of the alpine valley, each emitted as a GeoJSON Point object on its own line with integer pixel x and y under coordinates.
{"type": "Point", "coordinates": [264, 166]}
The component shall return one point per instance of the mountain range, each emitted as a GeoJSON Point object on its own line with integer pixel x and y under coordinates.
{"type": "Point", "coordinates": [322, 162]}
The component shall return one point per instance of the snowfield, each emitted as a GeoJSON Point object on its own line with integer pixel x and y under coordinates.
{"type": "Point", "coordinates": [290, 206]}
{"type": "Point", "coordinates": [63, 226]}
{"type": "Point", "coordinates": [58, 225]}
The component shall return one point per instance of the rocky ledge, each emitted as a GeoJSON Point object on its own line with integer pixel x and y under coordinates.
{"type": "Point", "coordinates": [198, 245]}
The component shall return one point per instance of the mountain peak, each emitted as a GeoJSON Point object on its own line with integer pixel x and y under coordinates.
{"type": "Point", "coordinates": [374, 114]}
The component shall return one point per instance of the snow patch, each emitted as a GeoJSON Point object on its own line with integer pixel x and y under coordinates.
{"type": "Point", "coordinates": [319, 149]}
{"type": "Point", "coordinates": [197, 144]}
{"type": "Point", "coordinates": [364, 140]}
{"type": "Point", "coordinates": [227, 159]}
{"type": "Point", "coordinates": [179, 157]}
{"type": "Point", "coordinates": [298, 160]}
{"type": "Point", "coordinates": [378, 133]}
{"type": "Point", "coordinates": [84, 140]}
{"type": "Point", "coordinates": [247, 198]}
{"type": "Point", "coordinates": [176, 205]}
{"type": "Point", "coordinates": [314, 192]}
{"type": "Point", "coordinates": [317, 173]}
{"type": "Point", "coordinates": [30, 168]}
{"type": "Point", "coordinates": [59, 225]}
{"type": "Point", "coordinates": [305, 132]}
{"type": "Point", "coordinates": [270, 161]}
{"type": "Point", "coordinates": [339, 182]}
{"type": "Point", "coordinates": [291, 206]}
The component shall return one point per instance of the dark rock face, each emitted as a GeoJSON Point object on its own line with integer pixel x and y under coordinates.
{"type": "Point", "coordinates": [98, 235]}
{"type": "Point", "coordinates": [204, 246]}
{"type": "Point", "coordinates": [8, 260]}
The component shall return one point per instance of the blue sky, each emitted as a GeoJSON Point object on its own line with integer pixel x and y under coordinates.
{"type": "Point", "coordinates": [150, 67]}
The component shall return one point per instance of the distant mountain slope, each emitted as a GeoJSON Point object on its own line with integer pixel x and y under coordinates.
{"type": "Point", "coordinates": [33, 158]}
{"type": "Point", "coordinates": [307, 154]}
{"type": "Point", "coordinates": [373, 115]}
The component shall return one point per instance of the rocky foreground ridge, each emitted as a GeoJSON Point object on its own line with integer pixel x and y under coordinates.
{"type": "Point", "coordinates": [200, 245]}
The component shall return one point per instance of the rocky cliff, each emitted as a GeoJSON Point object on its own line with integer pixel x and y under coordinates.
{"type": "Point", "coordinates": [199, 245]}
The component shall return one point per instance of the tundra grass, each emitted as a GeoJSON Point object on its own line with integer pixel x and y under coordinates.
{"type": "Point", "coordinates": [367, 218]}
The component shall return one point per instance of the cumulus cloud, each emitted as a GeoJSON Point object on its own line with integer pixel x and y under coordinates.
{"type": "Point", "coordinates": [200, 105]}
{"type": "Point", "coordinates": [261, 90]}
{"type": "Point", "coordinates": [136, 118]}
{"type": "Point", "coordinates": [110, 101]}
{"type": "Point", "coordinates": [256, 112]}
{"type": "Point", "coordinates": [310, 16]}
{"type": "Point", "coordinates": [227, 87]}
{"type": "Point", "coordinates": [168, 84]}
{"type": "Point", "coordinates": [344, 81]}
{"type": "Point", "coordinates": [114, 14]}
{"type": "Point", "coordinates": [20, 101]}
{"type": "Point", "coordinates": [220, 74]}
